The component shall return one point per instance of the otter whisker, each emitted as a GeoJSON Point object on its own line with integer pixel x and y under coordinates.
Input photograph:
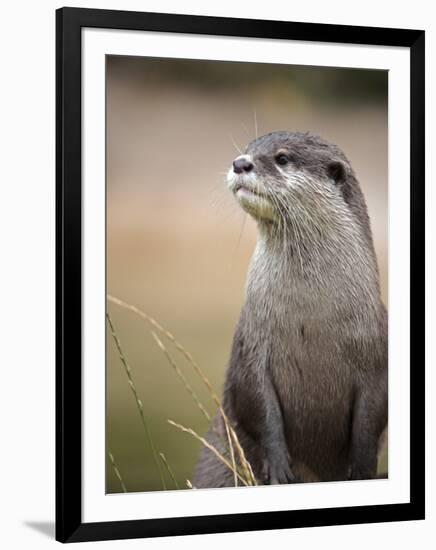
{"type": "Point", "coordinates": [235, 144]}
{"type": "Point", "coordinates": [281, 221]}
{"type": "Point", "coordinates": [255, 123]}
{"type": "Point", "coordinates": [295, 228]}
{"type": "Point", "coordinates": [246, 130]}
{"type": "Point", "coordinates": [244, 219]}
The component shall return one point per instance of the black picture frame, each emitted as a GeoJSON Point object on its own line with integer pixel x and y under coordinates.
{"type": "Point", "coordinates": [69, 525]}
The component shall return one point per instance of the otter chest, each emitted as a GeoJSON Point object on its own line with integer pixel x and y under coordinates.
{"type": "Point", "coordinates": [298, 336]}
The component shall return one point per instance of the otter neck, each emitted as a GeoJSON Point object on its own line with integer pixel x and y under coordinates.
{"type": "Point", "coordinates": [331, 268]}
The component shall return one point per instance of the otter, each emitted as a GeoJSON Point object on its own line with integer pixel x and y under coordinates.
{"type": "Point", "coordinates": [306, 386]}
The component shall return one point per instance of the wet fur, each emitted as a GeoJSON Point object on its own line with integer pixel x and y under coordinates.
{"type": "Point", "coordinates": [306, 387]}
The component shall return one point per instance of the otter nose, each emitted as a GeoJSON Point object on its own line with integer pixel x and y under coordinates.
{"type": "Point", "coordinates": [242, 164]}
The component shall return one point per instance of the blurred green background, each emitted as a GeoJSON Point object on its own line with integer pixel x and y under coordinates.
{"type": "Point", "coordinates": [177, 245]}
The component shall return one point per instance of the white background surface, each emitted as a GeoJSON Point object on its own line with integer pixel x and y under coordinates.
{"type": "Point", "coordinates": [27, 100]}
{"type": "Point", "coordinates": [97, 506]}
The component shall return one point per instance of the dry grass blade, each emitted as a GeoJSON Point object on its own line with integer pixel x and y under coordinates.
{"type": "Point", "coordinates": [244, 463]}
{"type": "Point", "coordinates": [169, 470]}
{"type": "Point", "coordinates": [139, 404]}
{"type": "Point", "coordinates": [248, 472]}
{"type": "Point", "coordinates": [117, 472]}
{"type": "Point", "coordinates": [180, 374]}
{"type": "Point", "coordinates": [210, 447]}
{"type": "Point", "coordinates": [197, 401]}
{"type": "Point", "coordinates": [232, 455]}
{"type": "Point", "coordinates": [170, 337]}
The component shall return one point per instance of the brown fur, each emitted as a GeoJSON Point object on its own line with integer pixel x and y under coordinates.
{"type": "Point", "coordinates": [306, 387]}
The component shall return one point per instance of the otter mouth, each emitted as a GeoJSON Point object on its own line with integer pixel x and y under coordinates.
{"type": "Point", "coordinates": [251, 195]}
{"type": "Point", "coordinates": [253, 201]}
{"type": "Point", "coordinates": [242, 189]}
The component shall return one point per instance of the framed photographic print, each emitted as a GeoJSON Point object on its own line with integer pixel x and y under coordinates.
{"type": "Point", "coordinates": [240, 274]}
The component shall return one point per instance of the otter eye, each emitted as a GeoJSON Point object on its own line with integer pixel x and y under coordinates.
{"type": "Point", "coordinates": [282, 159]}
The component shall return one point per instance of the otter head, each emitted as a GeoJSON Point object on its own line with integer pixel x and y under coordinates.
{"type": "Point", "coordinates": [294, 178]}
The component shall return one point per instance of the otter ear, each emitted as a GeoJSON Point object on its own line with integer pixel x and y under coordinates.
{"type": "Point", "coordinates": [337, 171]}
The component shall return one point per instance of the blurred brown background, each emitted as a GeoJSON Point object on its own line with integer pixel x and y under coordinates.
{"type": "Point", "coordinates": [175, 244]}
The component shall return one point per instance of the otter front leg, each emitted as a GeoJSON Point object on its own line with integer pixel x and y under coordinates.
{"type": "Point", "coordinates": [277, 466]}
{"type": "Point", "coordinates": [258, 414]}
{"type": "Point", "coordinates": [369, 420]}
{"type": "Point", "coordinates": [253, 402]}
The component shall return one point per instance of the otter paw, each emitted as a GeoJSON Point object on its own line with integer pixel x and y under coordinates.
{"type": "Point", "coordinates": [355, 473]}
{"type": "Point", "coordinates": [278, 472]}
